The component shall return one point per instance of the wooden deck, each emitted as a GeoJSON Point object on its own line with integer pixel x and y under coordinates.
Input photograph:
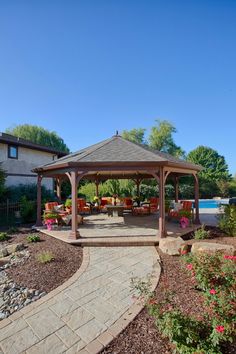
{"type": "Point", "coordinates": [101, 230]}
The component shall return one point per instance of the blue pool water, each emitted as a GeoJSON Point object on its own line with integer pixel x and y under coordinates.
{"type": "Point", "coordinates": [209, 204]}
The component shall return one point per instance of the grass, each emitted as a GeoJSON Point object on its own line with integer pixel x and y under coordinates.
{"type": "Point", "coordinates": [45, 257]}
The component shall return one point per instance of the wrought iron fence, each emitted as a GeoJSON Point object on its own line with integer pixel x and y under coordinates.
{"type": "Point", "coordinates": [15, 213]}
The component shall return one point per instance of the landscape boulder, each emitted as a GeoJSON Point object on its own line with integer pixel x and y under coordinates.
{"type": "Point", "coordinates": [171, 245]}
{"type": "Point", "coordinates": [212, 248]}
{"type": "Point", "coordinates": [12, 248]}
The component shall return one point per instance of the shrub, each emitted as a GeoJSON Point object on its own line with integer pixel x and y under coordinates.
{"type": "Point", "coordinates": [201, 233]}
{"type": "Point", "coordinates": [3, 236]}
{"type": "Point", "coordinates": [29, 191]}
{"type": "Point", "coordinates": [45, 257]}
{"type": "Point", "coordinates": [12, 230]}
{"type": "Point", "coordinates": [33, 238]}
{"type": "Point", "coordinates": [227, 220]}
{"type": "Point", "coordinates": [27, 210]}
{"type": "Point", "coordinates": [215, 275]}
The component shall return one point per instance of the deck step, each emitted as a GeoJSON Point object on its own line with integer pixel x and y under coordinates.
{"type": "Point", "coordinates": [116, 241]}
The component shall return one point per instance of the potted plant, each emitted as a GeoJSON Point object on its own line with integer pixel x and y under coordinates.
{"type": "Point", "coordinates": [50, 219]}
{"type": "Point", "coordinates": [68, 205]}
{"type": "Point", "coordinates": [96, 201]}
{"type": "Point", "coordinates": [185, 217]}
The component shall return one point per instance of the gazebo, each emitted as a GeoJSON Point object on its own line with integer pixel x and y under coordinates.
{"type": "Point", "coordinates": [117, 158]}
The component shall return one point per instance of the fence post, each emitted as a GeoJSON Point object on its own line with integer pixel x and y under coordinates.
{"type": "Point", "coordinates": [7, 209]}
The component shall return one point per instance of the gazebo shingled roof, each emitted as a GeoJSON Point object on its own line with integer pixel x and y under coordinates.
{"type": "Point", "coordinates": [117, 158]}
{"type": "Point", "coordinates": [117, 150]}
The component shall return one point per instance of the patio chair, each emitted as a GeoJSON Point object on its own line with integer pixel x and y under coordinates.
{"type": "Point", "coordinates": [83, 207]}
{"type": "Point", "coordinates": [127, 203]}
{"type": "Point", "coordinates": [104, 202]}
{"type": "Point", "coordinates": [154, 202]}
{"type": "Point", "coordinates": [55, 208]}
{"type": "Point", "coordinates": [143, 209]}
{"type": "Point", "coordinates": [179, 208]}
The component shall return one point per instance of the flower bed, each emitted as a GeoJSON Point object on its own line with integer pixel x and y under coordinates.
{"type": "Point", "coordinates": [186, 314]}
{"type": "Point", "coordinates": [43, 265]}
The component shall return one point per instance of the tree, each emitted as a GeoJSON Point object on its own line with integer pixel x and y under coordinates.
{"type": "Point", "coordinates": [214, 165]}
{"type": "Point", "coordinates": [215, 172]}
{"type": "Point", "coordinates": [161, 138]}
{"type": "Point", "coordinates": [135, 135]}
{"type": "Point", "coordinates": [38, 135]}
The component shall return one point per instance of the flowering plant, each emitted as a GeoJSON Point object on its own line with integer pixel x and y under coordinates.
{"type": "Point", "coordinates": [184, 222]}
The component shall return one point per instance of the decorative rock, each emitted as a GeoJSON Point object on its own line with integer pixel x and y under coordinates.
{"type": "Point", "coordinates": [13, 297]}
{"type": "Point", "coordinates": [210, 247]}
{"type": "Point", "coordinates": [171, 245]}
{"type": "Point", "coordinates": [3, 252]}
{"type": "Point", "coordinates": [15, 247]}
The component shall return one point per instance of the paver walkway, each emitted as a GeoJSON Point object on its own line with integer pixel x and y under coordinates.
{"type": "Point", "coordinates": [86, 307]}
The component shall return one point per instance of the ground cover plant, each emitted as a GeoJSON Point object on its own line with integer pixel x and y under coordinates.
{"type": "Point", "coordinates": [3, 236]}
{"type": "Point", "coordinates": [33, 238]}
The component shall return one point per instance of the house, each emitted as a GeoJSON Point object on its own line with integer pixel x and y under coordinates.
{"type": "Point", "coordinates": [19, 156]}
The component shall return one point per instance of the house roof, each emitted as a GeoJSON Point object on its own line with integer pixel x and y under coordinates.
{"type": "Point", "coordinates": [11, 139]}
{"type": "Point", "coordinates": [117, 152]}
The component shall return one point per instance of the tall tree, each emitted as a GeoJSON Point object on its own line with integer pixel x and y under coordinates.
{"type": "Point", "coordinates": [215, 174]}
{"type": "Point", "coordinates": [214, 164]}
{"type": "Point", "coordinates": [161, 138]}
{"type": "Point", "coordinates": [135, 135]}
{"type": "Point", "coordinates": [39, 135]}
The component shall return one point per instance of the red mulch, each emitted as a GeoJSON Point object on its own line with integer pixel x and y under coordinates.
{"type": "Point", "coordinates": [141, 336]}
{"type": "Point", "coordinates": [45, 277]}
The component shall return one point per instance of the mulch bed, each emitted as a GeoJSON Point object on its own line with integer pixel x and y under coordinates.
{"type": "Point", "coordinates": [141, 336]}
{"type": "Point", "coordinates": [45, 277]}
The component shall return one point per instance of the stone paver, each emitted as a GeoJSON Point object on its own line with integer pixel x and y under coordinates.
{"type": "Point", "coordinates": [83, 314]}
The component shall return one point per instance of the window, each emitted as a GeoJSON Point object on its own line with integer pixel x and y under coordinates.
{"type": "Point", "coordinates": [12, 152]}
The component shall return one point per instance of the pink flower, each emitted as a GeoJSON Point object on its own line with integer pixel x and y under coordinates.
{"type": "Point", "coordinates": [212, 292]}
{"type": "Point", "coordinates": [220, 329]}
{"type": "Point", "coordinates": [230, 257]}
{"type": "Point", "coordinates": [189, 266]}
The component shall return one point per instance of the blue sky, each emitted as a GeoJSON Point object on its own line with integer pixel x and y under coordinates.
{"type": "Point", "coordinates": [87, 68]}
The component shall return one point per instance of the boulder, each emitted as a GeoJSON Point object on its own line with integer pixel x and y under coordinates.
{"type": "Point", "coordinates": [171, 245]}
{"type": "Point", "coordinates": [15, 247]}
{"type": "Point", "coordinates": [212, 248]}
{"type": "Point", "coordinates": [3, 252]}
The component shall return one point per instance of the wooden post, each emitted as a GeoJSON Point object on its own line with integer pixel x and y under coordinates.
{"type": "Point", "coordinates": [162, 203]}
{"type": "Point", "coordinates": [74, 233]}
{"type": "Point", "coordinates": [138, 182]}
{"type": "Point", "coordinates": [196, 191]}
{"type": "Point", "coordinates": [39, 201]}
{"type": "Point", "coordinates": [176, 185]}
{"type": "Point", "coordinates": [59, 182]}
{"type": "Point", "coordinates": [97, 184]}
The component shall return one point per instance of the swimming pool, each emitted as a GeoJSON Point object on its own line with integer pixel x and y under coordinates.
{"type": "Point", "coordinates": [210, 203]}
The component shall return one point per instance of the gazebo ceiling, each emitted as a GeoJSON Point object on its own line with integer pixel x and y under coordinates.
{"type": "Point", "coordinates": [117, 158]}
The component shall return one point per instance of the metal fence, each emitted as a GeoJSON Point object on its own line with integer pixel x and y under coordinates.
{"type": "Point", "coordinates": [15, 213]}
